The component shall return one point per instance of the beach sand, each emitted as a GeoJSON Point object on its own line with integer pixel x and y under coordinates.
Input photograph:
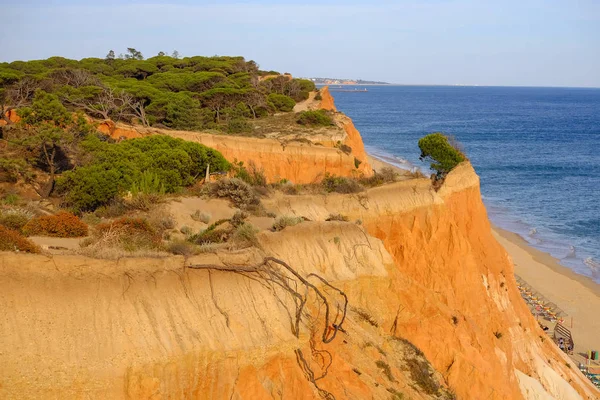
{"type": "Point", "coordinates": [577, 295]}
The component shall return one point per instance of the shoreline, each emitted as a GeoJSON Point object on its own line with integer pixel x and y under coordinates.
{"type": "Point", "coordinates": [577, 295]}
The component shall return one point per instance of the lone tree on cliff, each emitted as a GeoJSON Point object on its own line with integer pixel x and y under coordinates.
{"type": "Point", "coordinates": [444, 153]}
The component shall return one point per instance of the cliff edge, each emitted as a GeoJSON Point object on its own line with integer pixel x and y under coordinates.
{"type": "Point", "coordinates": [432, 312]}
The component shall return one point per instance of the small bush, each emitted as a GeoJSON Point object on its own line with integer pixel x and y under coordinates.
{"type": "Point", "coordinates": [422, 374]}
{"type": "Point", "coordinates": [186, 230]}
{"type": "Point", "coordinates": [285, 221]}
{"type": "Point", "coordinates": [337, 217]}
{"type": "Point", "coordinates": [11, 199]}
{"type": "Point", "coordinates": [149, 183]}
{"type": "Point", "coordinates": [62, 224]}
{"type": "Point", "coordinates": [443, 154]}
{"type": "Point", "coordinates": [182, 248]}
{"type": "Point", "coordinates": [144, 201]}
{"type": "Point", "coordinates": [131, 234]}
{"type": "Point", "coordinates": [14, 219]}
{"type": "Point", "coordinates": [11, 240]}
{"type": "Point", "coordinates": [345, 149]}
{"type": "Point", "coordinates": [318, 96]}
{"type": "Point", "coordinates": [245, 236]}
{"type": "Point", "coordinates": [114, 209]}
{"type": "Point", "coordinates": [199, 216]}
{"type": "Point", "coordinates": [340, 184]}
{"type": "Point", "coordinates": [281, 102]}
{"type": "Point", "coordinates": [237, 191]}
{"type": "Point", "coordinates": [498, 335]}
{"type": "Point", "coordinates": [409, 345]}
{"type": "Point", "coordinates": [238, 125]}
{"type": "Point", "coordinates": [238, 219]}
{"type": "Point", "coordinates": [314, 118]}
{"type": "Point", "coordinates": [385, 175]}
{"type": "Point", "coordinates": [365, 316]}
{"type": "Point", "coordinates": [211, 234]}
{"type": "Point", "coordinates": [386, 370]}
{"type": "Point", "coordinates": [396, 395]}
{"type": "Point", "coordinates": [161, 220]}
{"type": "Point", "coordinates": [251, 175]}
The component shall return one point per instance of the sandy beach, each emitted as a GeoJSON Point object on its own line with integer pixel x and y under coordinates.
{"type": "Point", "coordinates": [577, 295]}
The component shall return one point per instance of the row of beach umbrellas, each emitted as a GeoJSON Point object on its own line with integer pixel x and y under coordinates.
{"type": "Point", "coordinates": [538, 303]}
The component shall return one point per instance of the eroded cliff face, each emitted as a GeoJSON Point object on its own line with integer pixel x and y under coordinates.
{"type": "Point", "coordinates": [452, 291]}
{"type": "Point", "coordinates": [300, 160]}
{"type": "Point", "coordinates": [421, 265]}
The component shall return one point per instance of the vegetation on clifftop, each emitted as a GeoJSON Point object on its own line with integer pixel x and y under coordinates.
{"type": "Point", "coordinates": [165, 91]}
{"type": "Point", "coordinates": [56, 152]}
{"type": "Point", "coordinates": [445, 154]}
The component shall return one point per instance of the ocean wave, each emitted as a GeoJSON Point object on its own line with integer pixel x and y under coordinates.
{"type": "Point", "coordinates": [592, 264]}
{"type": "Point", "coordinates": [396, 161]}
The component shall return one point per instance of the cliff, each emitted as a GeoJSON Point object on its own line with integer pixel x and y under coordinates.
{"type": "Point", "coordinates": [303, 157]}
{"type": "Point", "coordinates": [421, 265]}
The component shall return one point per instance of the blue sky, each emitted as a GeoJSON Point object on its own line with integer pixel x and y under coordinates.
{"type": "Point", "coordinates": [508, 42]}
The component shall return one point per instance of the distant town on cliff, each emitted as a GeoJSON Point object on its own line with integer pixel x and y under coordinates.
{"type": "Point", "coordinates": [338, 81]}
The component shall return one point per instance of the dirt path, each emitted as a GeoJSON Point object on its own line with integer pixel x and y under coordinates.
{"type": "Point", "coordinates": [308, 104]}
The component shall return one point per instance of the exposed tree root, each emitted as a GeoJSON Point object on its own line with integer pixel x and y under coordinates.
{"type": "Point", "coordinates": [272, 272]}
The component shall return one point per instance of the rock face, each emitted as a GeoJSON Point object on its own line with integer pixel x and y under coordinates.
{"type": "Point", "coordinates": [453, 292]}
{"type": "Point", "coordinates": [297, 162]}
{"type": "Point", "coordinates": [300, 161]}
{"type": "Point", "coordinates": [422, 265]}
{"type": "Point", "coordinates": [12, 116]}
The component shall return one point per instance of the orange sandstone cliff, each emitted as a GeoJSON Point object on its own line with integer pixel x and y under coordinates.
{"type": "Point", "coordinates": [421, 267]}
{"type": "Point", "coordinates": [301, 160]}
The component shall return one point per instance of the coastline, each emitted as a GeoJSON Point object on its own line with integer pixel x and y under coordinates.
{"type": "Point", "coordinates": [577, 295]}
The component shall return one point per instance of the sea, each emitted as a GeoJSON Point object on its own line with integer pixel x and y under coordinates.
{"type": "Point", "coordinates": [536, 150]}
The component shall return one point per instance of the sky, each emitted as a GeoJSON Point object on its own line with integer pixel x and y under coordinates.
{"type": "Point", "coordinates": [470, 42]}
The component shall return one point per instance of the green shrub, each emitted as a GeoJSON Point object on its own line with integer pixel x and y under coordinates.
{"type": "Point", "coordinates": [444, 155]}
{"type": "Point", "coordinates": [251, 175]}
{"type": "Point", "coordinates": [148, 183]}
{"type": "Point", "coordinates": [11, 199]}
{"type": "Point", "coordinates": [153, 164]}
{"type": "Point", "coordinates": [314, 118]}
{"type": "Point", "coordinates": [211, 234]}
{"type": "Point", "coordinates": [13, 241]}
{"type": "Point", "coordinates": [238, 125]}
{"type": "Point", "coordinates": [245, 236]}
{"type": "Point", "coordinates": [281, 102]}
{"type": "Point", "coordinates": [284, 221]}
{"type": "Point", "coordinates": [340, 184]}
{"type": "Point", "coordinates": [237, 191]}
{"type": "Point", "coordinates": [62, 224]}
{"type": "Point", "coordinates": [14, 219]}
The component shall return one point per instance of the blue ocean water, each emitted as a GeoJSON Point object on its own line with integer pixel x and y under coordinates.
{"type": "Point", "coordinates": [537, 151]}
